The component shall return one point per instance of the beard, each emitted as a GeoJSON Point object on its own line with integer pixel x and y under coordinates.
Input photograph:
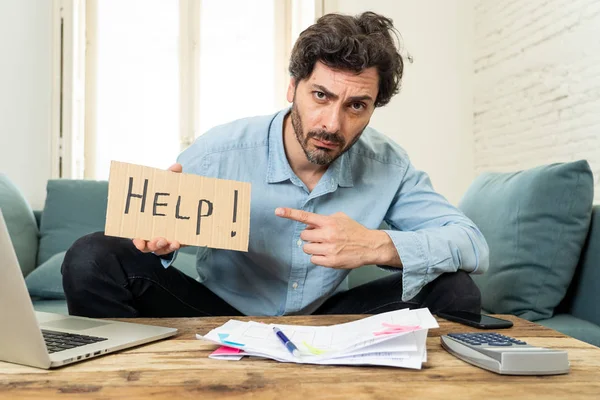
{"type": "Point", "coordinates": [319, 155]}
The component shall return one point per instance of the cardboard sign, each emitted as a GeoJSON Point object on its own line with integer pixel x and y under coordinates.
{"type": "Point", "coordinates": [146, 203]}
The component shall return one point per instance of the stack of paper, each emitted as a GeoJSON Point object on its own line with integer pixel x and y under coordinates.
{"type": "Point", "coordinates": [395, 338]}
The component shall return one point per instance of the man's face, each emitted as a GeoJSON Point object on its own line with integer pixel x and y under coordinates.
{"type": "Point", "coordinates": [331, 108]}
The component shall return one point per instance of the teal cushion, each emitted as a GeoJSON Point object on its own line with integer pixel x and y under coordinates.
{"type": "Point", "coordinates": [45, 282]}
{"type": "Point", "coordinates": [535, 222]}
{"type": "Point", "coordinates": [186, 263]}
{"type": "Point", "coordinates": [366, 274]}
{"type": "Point", "coordinates": [21, 224]}
{"type": "Point", "coordinates": [586, 282]}
{"type": "Point", "coordinates": [73, 209]}
{"type": "Point", "coordinates": [51, 306]}
{"type": "Point", "coordinates": [574, 327]}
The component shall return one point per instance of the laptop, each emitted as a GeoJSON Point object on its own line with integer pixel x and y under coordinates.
{"type": "Point", "coordinates": [47, 340]}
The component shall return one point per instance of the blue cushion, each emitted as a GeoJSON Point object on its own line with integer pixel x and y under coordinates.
{"type": "Point", "coordinates": [45, 282]}
{"type": "Point", "coordinates": [21, 223]}
{"type": "Point", "coordinates": [73, 209]}
{"type": "Point", "coordinates": [574, 327]}
{"type": "Point", "coordinates": [366, 274]}
{"type": "Point", "coordinates": [186, 263]}
{"type": "Point", "coordinates": [51, 306]}
{"type": "Point", "coordinates": [586, 282]}
{"type": "Point", "coordinates": [535, 223]}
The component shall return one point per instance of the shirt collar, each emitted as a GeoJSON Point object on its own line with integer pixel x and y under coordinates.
{"type": "Point", "coordinates": [279, 169]}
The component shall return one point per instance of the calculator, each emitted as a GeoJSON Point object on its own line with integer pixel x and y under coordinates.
{"type": "Point", "coordinates": [505, 355]}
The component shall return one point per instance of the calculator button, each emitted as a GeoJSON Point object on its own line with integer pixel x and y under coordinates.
{"type": "Point", "coordinates": [488, 338]}
{"type": "Point", "coordinates": [518, 342]}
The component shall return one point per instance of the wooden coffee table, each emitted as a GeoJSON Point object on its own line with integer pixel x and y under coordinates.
{"type": "Point", "coordinates": [179, 367]}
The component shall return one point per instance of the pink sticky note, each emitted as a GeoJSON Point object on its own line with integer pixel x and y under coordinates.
{"type": "Point", "coordinates": [225, 351]}
{"type": "Point", "coordinates": [391, 329]}
{"type": "Point", "coordinates": [402, 328]}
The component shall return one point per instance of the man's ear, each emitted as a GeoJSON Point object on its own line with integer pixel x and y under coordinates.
{"type": "Point", "coordinates": [291, 91]}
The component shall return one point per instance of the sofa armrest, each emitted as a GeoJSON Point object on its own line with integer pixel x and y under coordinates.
{"type": "Point", "coordinates": [583, 296]}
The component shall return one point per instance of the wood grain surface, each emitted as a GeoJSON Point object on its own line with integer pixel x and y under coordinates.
{"type": "Point", "coordinates": [179, 367]}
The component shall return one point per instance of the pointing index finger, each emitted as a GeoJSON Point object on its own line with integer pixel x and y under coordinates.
{"type": "Point", "coordinates": [305, 217]}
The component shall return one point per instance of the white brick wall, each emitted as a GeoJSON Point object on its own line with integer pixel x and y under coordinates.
{"type": "Point", "coordinates": [537, 84]}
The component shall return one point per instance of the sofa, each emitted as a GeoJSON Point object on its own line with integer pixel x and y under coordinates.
{"type": "Point", "coordinates": [540, 224]}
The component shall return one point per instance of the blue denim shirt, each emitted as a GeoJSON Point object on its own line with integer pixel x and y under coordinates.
{"type": "Point", "coordinates": [373, 182]}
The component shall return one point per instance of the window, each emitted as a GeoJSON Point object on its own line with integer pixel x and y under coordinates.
{"type": "Point", "coordinates": [159, 73]}
{"type": "Point", "coordinates": [237, 61]}
{"type": "Point", "coordinates": [137, 93]}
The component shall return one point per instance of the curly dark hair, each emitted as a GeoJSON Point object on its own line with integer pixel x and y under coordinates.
{"type": "Point", "coordinates": [351, 43]}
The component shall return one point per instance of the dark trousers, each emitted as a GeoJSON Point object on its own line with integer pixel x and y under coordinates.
{"type": "Point", "coordinates": [108, 277]}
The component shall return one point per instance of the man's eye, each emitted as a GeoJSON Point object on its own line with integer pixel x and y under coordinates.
{"type": "Point", "coordinates": [320, 95]}
{"type": "Point", "coordinates": [358, 106]}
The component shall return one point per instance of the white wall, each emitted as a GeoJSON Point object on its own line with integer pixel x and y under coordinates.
{"type": "Point", "coordinates": [537, 84]}
{"type": "Point", "coordinates": [25, 83]}
{"type": "Point", "coordinates": [432, 116]}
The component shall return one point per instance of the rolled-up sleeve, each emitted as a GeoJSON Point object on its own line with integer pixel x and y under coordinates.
{"type": "Point", "coordinates": [431, 235]}
{"type": "Point", "coordinates": [168, 260]}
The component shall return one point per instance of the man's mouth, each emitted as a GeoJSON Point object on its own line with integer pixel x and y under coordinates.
{"type": "Point", "coordinates": [326, 144]}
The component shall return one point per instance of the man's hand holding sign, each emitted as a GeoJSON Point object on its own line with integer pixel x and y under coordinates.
{"type": "Point", "coordinates": [160, 245]}
{"type": "Point", "coordinates": [337, 241]}
{"type": "Point", "coordinates": [163, 210]}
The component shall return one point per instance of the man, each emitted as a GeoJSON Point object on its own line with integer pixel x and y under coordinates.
{"type": "Point", "coordinates": [322, 184]}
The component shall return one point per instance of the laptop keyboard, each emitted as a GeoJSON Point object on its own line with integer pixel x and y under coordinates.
{"type": "Point", "coordinates": [59, 341]}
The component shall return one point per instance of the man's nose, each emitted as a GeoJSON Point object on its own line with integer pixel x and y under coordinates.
{"type": "Point", "coordinates": [332, 120]}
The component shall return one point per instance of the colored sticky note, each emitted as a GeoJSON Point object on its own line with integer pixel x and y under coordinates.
{"type": "Point", "coordinates": [392, 328]}
{"type": "Point", "coordinates": [223, 336]}
{"type": "Point", "coordinates": [226, 351]}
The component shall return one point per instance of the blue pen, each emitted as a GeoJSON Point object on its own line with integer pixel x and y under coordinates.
{"type": "Point", "coordinates": [287, 342]}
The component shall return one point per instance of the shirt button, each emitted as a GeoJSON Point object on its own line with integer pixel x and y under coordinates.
{"type": "Point", "coordinates": [295, 285]}
{"type": "Point", "coordinates": [299, 242]}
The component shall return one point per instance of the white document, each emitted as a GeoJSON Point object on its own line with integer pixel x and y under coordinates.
{"type": "Point", "coordinates": [396, 338]}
